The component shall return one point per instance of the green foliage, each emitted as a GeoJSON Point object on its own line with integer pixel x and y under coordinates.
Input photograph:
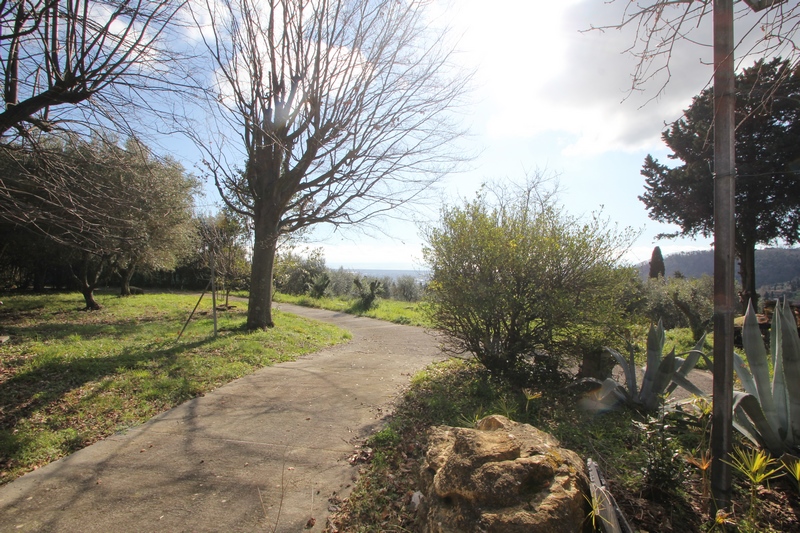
{"type": "Point", "coordinates": [102, 207]}
{"type": "Point", "coordinates": [517, 279]}
{"type": "Point", "coordinates": [767, 149]}
{"type": "Point", "coordinates": [792, 467]}
{"type": "Point", "coordinates": [384, 438]}
{"type": "Point", "coordinates": [341, 284]}
{"type": "Point", "coordinates": [366, 293]}
{"type": "Point", "coordinates": [664, 468]}
{"type": "Point", "coordinates": [295, 272]}
{"type": "Point", "coordinates": [406, 289]}
{"type": "Point", "coordinates": [70, 378]}
{"type": "Point", "coordinates": [758, 468]}
{"type": "Point", "coordinates": [679, 302]}
{"type": "Point", "coordinates": [319, 285]}
{"type": "Point", "coordinates": [768, 412]}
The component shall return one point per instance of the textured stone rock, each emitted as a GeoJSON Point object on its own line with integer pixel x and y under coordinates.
{"type": "Point", "coordinates": [501, 477]}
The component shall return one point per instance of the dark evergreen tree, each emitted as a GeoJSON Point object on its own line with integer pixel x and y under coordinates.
{"type": "Point", "coordinates": [657, 267]}
{"type": "Point", "coordinates": [767, 155]}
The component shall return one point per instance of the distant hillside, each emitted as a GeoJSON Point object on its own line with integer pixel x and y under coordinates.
{"type": "Point", "coordinates": [773, 265]}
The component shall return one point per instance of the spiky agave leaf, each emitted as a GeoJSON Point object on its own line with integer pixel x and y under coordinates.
{"type": "Point", "coordinates": [628, 368]}
{"type": "Point", "coordinates": [768, 413]}
{"type": "Point", "coordinates": [790, 344]}
{"type": "Point", "coordinates": [655, 347]}
{"type": "Point", "coordinates": [759, 385]}
{"type": "Point", "coordinates": [750, 421]}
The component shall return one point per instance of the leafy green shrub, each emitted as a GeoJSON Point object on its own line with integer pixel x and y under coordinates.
{"type": "Point", "coordinates": [341, 284]}
{"type": "Point", "coordinates": [665, 468]}
{"type": "Point", "coordinates": [406, 289]}
{"type": "Point", "coordinates": [318, 285]}
{"type": "Point", "coordinates": [294, 273]}
{"type": "Point", "coordinates": [517, 280]}
{"type": "Point", "coordinates": [680, 302]}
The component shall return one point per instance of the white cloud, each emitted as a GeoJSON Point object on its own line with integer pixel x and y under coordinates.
{"type": "Point", "coordinates": [540, 71]}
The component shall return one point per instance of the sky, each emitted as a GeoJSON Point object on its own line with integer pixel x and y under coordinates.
{"type": "Point", "coordinates": [549, 96]}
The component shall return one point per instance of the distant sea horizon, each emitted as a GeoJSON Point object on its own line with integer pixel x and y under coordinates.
{"type": "Point", "coordinates": [393, 273]}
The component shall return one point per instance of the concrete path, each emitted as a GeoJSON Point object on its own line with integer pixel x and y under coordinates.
{"type": "Point", "coordinates": [263, 453]}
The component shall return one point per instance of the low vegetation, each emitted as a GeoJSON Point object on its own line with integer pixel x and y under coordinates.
{"type": "Point", "coordinates": [399, 312]}
{"type": "Point", "coordinates": [654, 464]}
{"type": "Point", "coordinates": [69, 378]}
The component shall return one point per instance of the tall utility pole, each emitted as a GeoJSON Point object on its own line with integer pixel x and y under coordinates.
{"type": "Point", "coordinates": [724, 205]}
{"type": "Point", "coordinates": [724, 251]}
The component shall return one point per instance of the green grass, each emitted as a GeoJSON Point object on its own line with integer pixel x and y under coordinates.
{"type": "Point", "coordinates": [408, 313]}
{"type": "Point", "coordinates": [69, 377]}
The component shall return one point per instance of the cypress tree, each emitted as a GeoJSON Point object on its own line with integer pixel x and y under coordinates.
{"type": "Point", "coordinates": [657, 267]}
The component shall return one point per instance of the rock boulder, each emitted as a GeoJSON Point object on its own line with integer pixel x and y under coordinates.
{"type": "Point", "coordinates": [501, 477]}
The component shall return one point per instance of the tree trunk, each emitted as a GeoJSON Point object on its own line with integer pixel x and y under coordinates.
{"type": "Point", "coordinates": [88, 281]}
{"type": "Point", "coordinates": [39, 277]}
{"type": "Point", "coordinates": [259, 307]}
{"type": "Point", "coordinates": [747, 270]}
{"type": "Point", "coordinates": [88, 297]}
{"type": "Point", "coordinates": [126, 274]}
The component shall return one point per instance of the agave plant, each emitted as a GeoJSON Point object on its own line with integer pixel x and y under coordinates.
{"type": "Point", "coordinates": [662, 374]}
{"type": "Point", "coordinates": [768, 411]}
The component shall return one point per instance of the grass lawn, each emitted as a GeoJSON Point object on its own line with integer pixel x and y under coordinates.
{"type": "Point", "coordinates": [408, 313]}
{"type": "Point", "coordinates": [69, 377]}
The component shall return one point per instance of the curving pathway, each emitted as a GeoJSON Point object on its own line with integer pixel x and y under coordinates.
{"type": "Point", "coordinates": [263, 453]}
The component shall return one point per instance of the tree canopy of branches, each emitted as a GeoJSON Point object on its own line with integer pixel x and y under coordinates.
{"type": "Point", "coordinates": [343, 110]}
{"type": "Point", "coordinates": [58, 54]}
{"type": "Point", "coordinates": [74, 67]}
{"type": "Point", "coordinates": [767, 151]}
{"type": "Point", "coordinates": [143, 206]}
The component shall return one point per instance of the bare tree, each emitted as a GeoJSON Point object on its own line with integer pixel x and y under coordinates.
{"type": "Point", "coordinates": [227, 238]}
{"type": "Point", "coordinates": [344, 111]}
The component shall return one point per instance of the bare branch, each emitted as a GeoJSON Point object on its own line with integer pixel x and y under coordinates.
{"type": "Point", "coordinates": [658, 26]}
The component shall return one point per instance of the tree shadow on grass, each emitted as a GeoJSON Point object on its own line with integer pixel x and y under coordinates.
{"type": "Point", "coordinates": [45, 385]}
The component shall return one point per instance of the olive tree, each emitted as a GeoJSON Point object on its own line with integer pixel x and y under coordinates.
{"type": "Point", "coordinates": [515, 278]}
{"type": "Point", "coordinates": [141, 206]}
{"type": "Point", "coordinates": [343, 111]}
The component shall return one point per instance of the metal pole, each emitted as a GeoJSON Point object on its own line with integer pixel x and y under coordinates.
{"type": "Point", "coordinates": [724, 205]}
{"type": "Point", "coordinates": [214, 292]}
